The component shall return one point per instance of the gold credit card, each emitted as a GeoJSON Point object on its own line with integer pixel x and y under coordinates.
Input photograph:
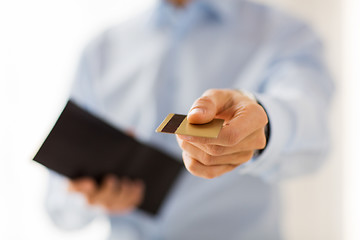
{"type": "Point", "coordinates": [178, 124]}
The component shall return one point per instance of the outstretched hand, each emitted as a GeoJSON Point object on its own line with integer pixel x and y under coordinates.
{"type": "Point", "coordinates": [242, 133]}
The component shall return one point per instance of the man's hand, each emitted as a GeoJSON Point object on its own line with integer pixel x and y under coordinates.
{"type": "Point", "coordinates": [114, 195]}
{"type": "Point", "coordinates": [241, 135]}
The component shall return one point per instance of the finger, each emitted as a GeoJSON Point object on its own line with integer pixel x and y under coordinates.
{"type": "Point", "coordinates": [210, 160]}
{"type": "Point", "coordinates": [129, 197]}
{"type": "Point", "coordinates": [135, 195]}
{"type": "Point", "coordinates": [119, 203]}
{"type": "Point", "coordinates": [106, 192]}
{"type": "Point", "coordinates": [198, 169]}
{"type": "Point", "coordinates": [256, 140]}
{"type": "Point", "coordinates": [139, 192]}
{"type": "Point", "coordinates": [86, 186]}
{"type": "Point", "coordinates": [205, 108]}
{"type": "Point", "coordinates": [245, 121]}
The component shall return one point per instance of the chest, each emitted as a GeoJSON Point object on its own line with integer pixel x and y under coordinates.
{"type": "Point", "coordinates": [146, 80]}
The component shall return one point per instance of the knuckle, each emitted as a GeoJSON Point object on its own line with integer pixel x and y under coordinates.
{"type": "Point", "coordinates": [215, 150]}
{"type": "Point", "coordinates": [262, 116]}
{"type": "Point", "coordinates": [265, 117]}
{"type": "Point", "coordinates": [250, 155]}
{"type": "Point", "coordinates": [204, 100]}
{"type": "Point", "coordinates": [245, 157]}
{"type": "Point", "coordinates": [182, 144]}
{"type": "Point", "coordinates": [203, 141]}
{"type": "Point", "coordinates": [209, 175]}
{"type": "Point", "coordinates": [233, 138]}
{"type": "Point", "coordinates": [207, 159]}
{"type": "Point", "coordinates": [261, 142]}
{"type": "Point", "coordinates": [191, 165]}
{"type": "Point", "coordinates": [195, 173]}
{"type": "Point", "coordinates": [252, 107]}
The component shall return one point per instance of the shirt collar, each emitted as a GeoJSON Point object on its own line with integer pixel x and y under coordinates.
{"type": "Point", "coordinates": [217, 10]}
{"type": "Point", "coordinates": [222, 9]}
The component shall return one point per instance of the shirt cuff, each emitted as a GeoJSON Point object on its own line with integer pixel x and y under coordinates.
{"type": "Point", "coordinates": [281, 125]}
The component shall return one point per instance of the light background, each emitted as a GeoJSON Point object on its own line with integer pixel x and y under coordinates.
{"type": "Point", "coordinates": [40, 42]}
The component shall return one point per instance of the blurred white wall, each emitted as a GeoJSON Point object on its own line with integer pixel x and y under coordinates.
{"type": "Point", "coordinates": [40, 41]}
{"type": "Point", "coordinates": [351, 112]}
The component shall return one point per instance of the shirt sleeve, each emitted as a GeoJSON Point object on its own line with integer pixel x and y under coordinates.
{"type": "Point", "coordinates": [69, 210]}
{"type": "Point", "coordinates": [89, 70]}
{"type": "Point", "coordinates": [296, 91]}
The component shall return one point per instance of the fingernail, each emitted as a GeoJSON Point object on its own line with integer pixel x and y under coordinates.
{"type": "Point", "coordinates": [196, 111]}
{"type": "Point", "coordinates": [186, 138]}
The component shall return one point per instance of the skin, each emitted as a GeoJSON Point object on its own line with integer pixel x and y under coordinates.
{"type": "Point", "coordinates": [116, 196]}
{"type": "Point", "coordinates": [179, 3]}
{"type": "Point", "coordinates": [242, 133]}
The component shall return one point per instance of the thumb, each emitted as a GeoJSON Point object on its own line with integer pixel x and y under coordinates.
{"type": "Point", "coordinates": [211, 103]}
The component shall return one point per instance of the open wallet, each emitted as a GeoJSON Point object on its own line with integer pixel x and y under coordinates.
{"type": "Point", "coordinates": [83, 145]}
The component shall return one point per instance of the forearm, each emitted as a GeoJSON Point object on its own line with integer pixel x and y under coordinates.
{"type": "Point", "coordinates": [297, 108]}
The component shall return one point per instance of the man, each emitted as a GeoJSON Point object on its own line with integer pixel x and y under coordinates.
{"type": "Point", "coordinates": [260, 70]}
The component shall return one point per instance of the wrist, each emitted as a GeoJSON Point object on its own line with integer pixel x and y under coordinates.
{"type": "Point", "coordinates": [251, 96]}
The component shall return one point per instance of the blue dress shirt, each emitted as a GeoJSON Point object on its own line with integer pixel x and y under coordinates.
{"type": "Point", "coordinates": [134, 74]}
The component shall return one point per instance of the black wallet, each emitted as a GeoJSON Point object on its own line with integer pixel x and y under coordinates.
{"type": "Point", "coordinates": [81, 144]}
